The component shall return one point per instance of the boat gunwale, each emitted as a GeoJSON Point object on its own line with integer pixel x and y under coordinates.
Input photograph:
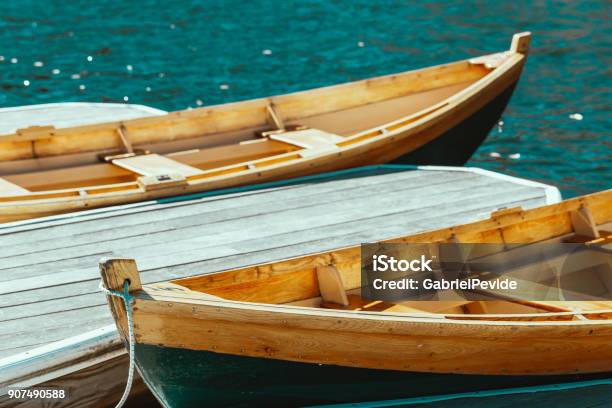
{"type": "Point", "coordinates": [146, 295]}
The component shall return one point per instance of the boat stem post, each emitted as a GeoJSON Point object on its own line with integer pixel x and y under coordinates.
{"type": "Point", "coordinates": [521, 42]}
{"type": "Point", "coordinates": [115, 272]}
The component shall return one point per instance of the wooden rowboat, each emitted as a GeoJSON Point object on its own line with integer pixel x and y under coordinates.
{"type": "Point", "coordinates": [437, 115]}
{"type": "Point", "coordinates": [297, 332]}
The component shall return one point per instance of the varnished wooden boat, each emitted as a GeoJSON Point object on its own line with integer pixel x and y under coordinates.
{"type": "Point", "coordinates": [436, 115]}
{"type": "Point", "coordinates": [297, 332]}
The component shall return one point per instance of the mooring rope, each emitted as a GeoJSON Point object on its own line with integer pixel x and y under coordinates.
{"type": "Point", "coordinates": [127, 301]}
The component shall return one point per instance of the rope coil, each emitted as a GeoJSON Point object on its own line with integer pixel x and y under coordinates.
{"type": "Point", "coordinates": [127, 301]}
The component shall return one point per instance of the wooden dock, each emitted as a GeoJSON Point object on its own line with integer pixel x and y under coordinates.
{"type": "Point", "coordinates": [57, 328]}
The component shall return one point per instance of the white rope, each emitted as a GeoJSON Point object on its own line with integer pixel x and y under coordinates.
{"type": "Point", "coordinates": [127, 301]}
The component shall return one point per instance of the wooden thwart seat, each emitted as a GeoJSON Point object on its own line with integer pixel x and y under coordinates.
{"type": "Point", "coordinates": [155, 165]}
{"type": "Point", "coordinates": [314, 141]}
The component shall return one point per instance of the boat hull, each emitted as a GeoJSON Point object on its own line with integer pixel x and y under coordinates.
{"type": "Point", "coordinates": [457, 145]}
{"type": "Point", "coordinates": [184, 378]}
{"type": "Point", "coordinates": [444, 143]}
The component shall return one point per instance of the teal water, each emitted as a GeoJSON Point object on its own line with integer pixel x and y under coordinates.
{"type": "Point", "coordinates": [176, 54]}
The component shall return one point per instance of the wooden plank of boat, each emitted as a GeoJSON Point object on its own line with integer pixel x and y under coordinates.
{"type": "Point", "coordinates": [436, 115]}
{"type": "Point", "coordinates": [274, 317]}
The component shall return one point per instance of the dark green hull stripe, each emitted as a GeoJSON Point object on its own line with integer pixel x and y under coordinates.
{"type": "Point", "coordinates": [184, 378]}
